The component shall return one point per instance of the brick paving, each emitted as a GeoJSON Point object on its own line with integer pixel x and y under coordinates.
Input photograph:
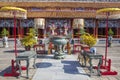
{"type": "Point", "coordinates": [6, 54]}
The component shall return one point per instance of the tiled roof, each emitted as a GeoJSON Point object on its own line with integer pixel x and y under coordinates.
{"type": "Point", "coordinates": [65, 7]}
{"type": "Point", "coordinates": [61, 4]}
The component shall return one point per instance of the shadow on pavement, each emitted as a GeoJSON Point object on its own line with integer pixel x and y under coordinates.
{"type": "Point", "coordinates": [6, 70]}
{"type": "Point", "coordinates": [72, 67]}
{"type": "Point", "coordinates": [43, 65]}
{"type": "Point", "coordinates": [12, 51]}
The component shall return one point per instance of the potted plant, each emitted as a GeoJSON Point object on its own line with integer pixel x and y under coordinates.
{"type": "Point", "coordinates": [89, 40]}
{"type": "Point", "coordinates": [29, 40]}
{"type": "Point", "coordinates": [5, 34]}
{"type": "Point", "coordinates": [110, 34]}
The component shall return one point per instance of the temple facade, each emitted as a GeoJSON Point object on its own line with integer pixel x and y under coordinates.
{"type": "Point", "coordinates": [61, 17]}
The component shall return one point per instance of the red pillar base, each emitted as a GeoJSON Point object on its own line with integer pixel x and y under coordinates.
{"type": "Point", "coordinates": [109, 73]}
{"type": "Point", "coordinates": [14, 74]}
{"type": "Point", "coordinates": [14, 70]}
{"type": "Point", "coordinates": [107, 68]}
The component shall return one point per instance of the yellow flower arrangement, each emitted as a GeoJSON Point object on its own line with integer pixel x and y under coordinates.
{"type": "Point", "coordinates": [88, 39]}
{"type": "Point", "coordinates": [30, 39]}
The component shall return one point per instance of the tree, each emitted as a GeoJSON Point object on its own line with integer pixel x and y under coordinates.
{"type": "Point", "coordinates": [29, 40]}
{"type": "Point", "coordinates": [5, 32]}
{"type": "Point", "coordinates": [110, 32]}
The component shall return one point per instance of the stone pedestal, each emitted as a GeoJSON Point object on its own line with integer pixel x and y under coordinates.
{"type": "Point", "coordinates": [5, 42]}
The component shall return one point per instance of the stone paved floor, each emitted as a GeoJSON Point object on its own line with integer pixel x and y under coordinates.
{"type": "Point", "coordinates": [64, 69]}
{"type": "Point", "coordinates": [6, 54]}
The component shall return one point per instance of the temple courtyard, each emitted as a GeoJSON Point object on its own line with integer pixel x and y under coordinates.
{"type": "Point", "coordinates": [69, 68]}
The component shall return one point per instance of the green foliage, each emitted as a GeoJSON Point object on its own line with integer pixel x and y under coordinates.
{"type": "Point", "coordinates": [30, 39]}
{"type": "Point", "coordinates": [110, 32]}
{"type": "Point", "coordinates": [82, 31]}
{"type": "Point", "coordinates": [5, 32]}
{"type": "Point", "coordinates": [33, 31]}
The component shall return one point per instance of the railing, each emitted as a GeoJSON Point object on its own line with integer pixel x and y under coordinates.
{"type": "Point", "coordinates": [104, 36]}
{"type": "Point", "coordinates": [100, 36]}
{"type": "Point", "coordinates": [59, 0]}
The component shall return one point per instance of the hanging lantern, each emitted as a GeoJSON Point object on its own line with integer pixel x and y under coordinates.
{"type": "Point", "coordinates": [78, 23]}
{"type": "Point", "coordinates": [39, 23]}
